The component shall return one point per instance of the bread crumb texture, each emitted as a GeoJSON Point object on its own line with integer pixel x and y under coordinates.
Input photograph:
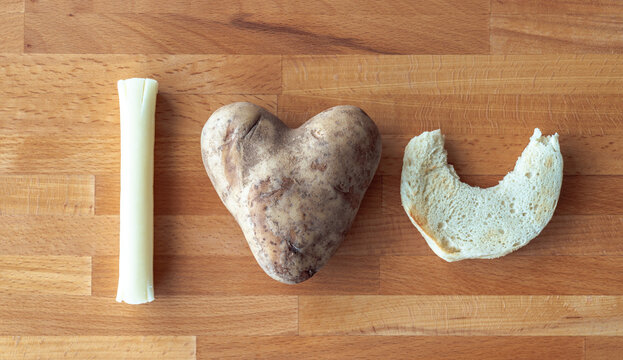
{"type": "Point", "coordinates": [460, 221]}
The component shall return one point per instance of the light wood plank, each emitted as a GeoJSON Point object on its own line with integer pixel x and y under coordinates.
{"type": "Point", "coordinates": [219, 235]}
{"type": "Point", "coordinates": [177, 150]}
{"type": "Point", "coordinates": [389, 347]}
{"type": "Point", "coordinates": [97, 114]}
{"type": "Point", "coordinates": [556, 33]}
{"type": "Point", "coordinates": [98, 154]}
{"type": "Point", "coordinates": [59, 235]}
{"type": "Point", "coordinates": [284, 7]}
{"type": "Point", "coordinates": [181, 192]}
{"type": "Point", "coordinates": [256, 33]}
{"type": "Point", "coordinates": [59, 154]}
{"type": "Point", "coordinates": [520, 275]}
{"type": "Point", "coordinates": [491, 114]}
{"type": "Point", "coordinates": [60, 118]}
{"type": "Point", "coordinates": [556, 7]}
{"type": "Point", "coordinates": [580, 195]}
{"type": "Point", "coordinates": [461, 315]}
{"type": "Point", "coordinates": [12, 30]}
{"type": "Point", "coordinates": [372, 233]}
{"type": "Point", "coordinates": [97, 74]}
{"type": "Point", "coordinates": [467, 74]}
{"type": "Point", "coordinates": [497, 154]}
{"type": "Point", "coordinates": [33, 275]}
{"type": "Point", "coordinates": [192, 193]}
{"type": "Point", "coordinates": [199, 235]}
{"type": "Point", "coordinates": [184, 114]}
{"type": "Point", "coordinates": [98, 347]}
{"type": "Point", "coordinates": [241, 275]}
{"type": "Point", "coordinates": [590, 235]}
{"type": "Point", "coordinates": [597, 347]}
{"type": "Point", "coordinates": [99, 235]}
{"type": "Point", "coordinates": [186, 315]}
{"type": "Point", "coordinates": [11, 6]}
{"type": "Point", "coordinates": [46, 194]}
{"type": "Point", "coordinates": [175, 193]}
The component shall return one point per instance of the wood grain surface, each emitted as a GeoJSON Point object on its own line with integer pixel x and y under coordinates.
{"type": "Point", "coordinates": [99, 347]}
{"type": "Point", "coordinates": [487, 72]}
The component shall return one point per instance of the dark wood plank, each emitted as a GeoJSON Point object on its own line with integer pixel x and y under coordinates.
{"type": "Point", "coordinates": [241, 275]}
{"type": "Point", "coordinates": [519, 275]}
{"type": "Point", "coordinates": [591, 195]}
{"type": "Point", "coordinates": [256, 33]}
{"type": "Point", "coordinates": [389, 347]}
{"type": "Point", "coordinates": [284, 7]}
{"type": "Point", "coordinates": [557, 26]}
{"type": "Point", "coordinates": [589, 235]}
{"type": "Point", "coordinates": [188, 315]}
{"type": "Point", "coordinates": [604, 348]}
{"type": "Point", "coordinates": [556, 33]}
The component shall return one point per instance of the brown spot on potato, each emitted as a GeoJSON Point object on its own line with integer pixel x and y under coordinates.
{"type": "Point", "coordinates": [350, 195]}
{"type": "Point", "coordinates": [317, 165]}
{"type": "Point", "coordinates": [264, 193]}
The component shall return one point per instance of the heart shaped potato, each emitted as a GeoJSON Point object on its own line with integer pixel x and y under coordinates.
{"type": "Point", "coordinates": [294, 192]}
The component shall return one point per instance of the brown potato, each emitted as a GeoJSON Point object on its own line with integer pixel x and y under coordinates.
{"type": "Point", "coordinates": [294, 192]}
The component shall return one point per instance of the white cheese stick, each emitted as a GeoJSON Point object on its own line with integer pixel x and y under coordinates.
{"type": "Point", "coordinates": [137, 103]}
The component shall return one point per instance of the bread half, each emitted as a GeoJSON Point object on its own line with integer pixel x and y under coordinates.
{"type": "Point", "coordinates": [460, 221]}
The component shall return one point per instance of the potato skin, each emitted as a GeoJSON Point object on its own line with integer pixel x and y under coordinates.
{"type": "Point", "coordinates": [294, 192]}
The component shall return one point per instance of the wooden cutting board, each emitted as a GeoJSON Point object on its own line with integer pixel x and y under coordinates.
{"type": "Point", "coordinates": [486, 73]}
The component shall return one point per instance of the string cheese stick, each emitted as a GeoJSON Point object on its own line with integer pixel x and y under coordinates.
{"type": "Point", "coordinates": [137, 104]}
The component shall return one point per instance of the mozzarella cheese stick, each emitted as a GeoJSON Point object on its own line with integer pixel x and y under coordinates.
{"type": "Point", "coordinates": [137, 103]}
